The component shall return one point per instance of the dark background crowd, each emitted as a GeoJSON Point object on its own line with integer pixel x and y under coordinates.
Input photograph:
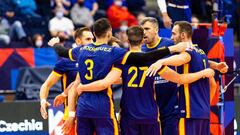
{"type": "Point", "coordinates": [31, 23]}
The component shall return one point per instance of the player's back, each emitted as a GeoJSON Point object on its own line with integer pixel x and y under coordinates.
{"type": "Point", "coordinates": [195, 97]}
{"type": "Point", "coordinates": [138, 102]}
{"type": "Point", "coordinates": [95, 61]}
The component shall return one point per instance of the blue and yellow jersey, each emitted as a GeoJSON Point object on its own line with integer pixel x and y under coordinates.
{"type": "Point", "coordinates": [67, 70]}
{"type": "Point", "coordinates": [195, 97]}
{"type": "Point", "coordinates": [138, 102]}
{"type": "Point", "coordinates": [95, 62]}
{"type": "Point", "coordinates": [166, 91]}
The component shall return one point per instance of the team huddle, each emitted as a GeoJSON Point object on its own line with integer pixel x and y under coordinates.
{"type": "Point", "coordinates": [167, 84]}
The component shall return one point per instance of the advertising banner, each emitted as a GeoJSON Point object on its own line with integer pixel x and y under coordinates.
{"type": "Point", "coordinates": [22, 118]}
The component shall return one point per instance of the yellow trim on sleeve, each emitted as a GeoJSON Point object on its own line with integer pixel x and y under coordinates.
{"type": "Point", "coordinates": [162, 70]}
{"type": "Point", "coordinates": [125, 58]}
{"type": "Point", "coordinates": [70, 55]}
{"type": "Point", "coordinates": [57, 74]}
{"type": "Point", "coordinates": [118, 69]}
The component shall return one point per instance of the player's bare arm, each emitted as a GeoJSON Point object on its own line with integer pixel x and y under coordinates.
{"type": "Point", "coordinates": [175, 77]}
{"type": "Point", "coordinates": [100, 85]}
{"type": "Point", "coordinates": [51, 80]}
{"type": "Point", "coordinates": [221, 66]}
{"type": "Point", "coordinates": [213, 88]}
{"type": "Point", "coordinates": [72, 97]}
{"type": "Point", "coordinates": [59, 99]}
{"type": "Point", "coordinates": [175, 60]}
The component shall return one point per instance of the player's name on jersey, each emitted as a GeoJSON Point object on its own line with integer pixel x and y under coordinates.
{"type": "Point", "coordinates": [94, 49]}
{"type": "Point", "coordinates": [198, 50]}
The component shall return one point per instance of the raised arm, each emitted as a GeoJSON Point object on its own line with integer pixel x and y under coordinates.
{"type": "Point", "coordinates": [171, 75]}
{"type": "Point", "coordinates": [112, 77]}
{"type": "Point", "coordinates": [60, 50]}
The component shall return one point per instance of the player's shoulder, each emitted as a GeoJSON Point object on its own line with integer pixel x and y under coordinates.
{"type": "Point", "coordinates": [115, 48]}
{"type": "Point", "coordinates": [64, 61]}
{"type": "Point", "coordinates": [166, 41]}
{"type": "Point", "coordinates": [144, 47]}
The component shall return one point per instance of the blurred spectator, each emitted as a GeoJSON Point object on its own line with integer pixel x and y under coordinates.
{"type": "Point", "coordinates": [64, 4]}
{"type": "Point", "coordinates": [7, 9]}
{"type": "Point", "coordinates": [135, 6]}
{"type": "Point", "coordinates": [195, 19]}
{"type": "Point", "coordinates": [122, 35]}
{"type": "Point", "coordinates": [27, 8]}
{"type": "Point", "coordinates": [118, 13]}
{"type": "Point", "coordinates": [38, 41]}
{"type": "Point", "coordinates": [44, 8]}
{"type": "Point", "coordinates": [92, 5]}
{"type": "Point", "coordinates": [140, 16]}
{"type": "Point", "coordinates": [195, 22]}
{"type": "Point", "coordinates": [60, 23]}
{"type": "Point", "coordinates": [115, 42]}
{"type": "Point", "coordinates": [177, 10]}
{"type": "Point", "coordinates": [64, 39]}
{"type": "Point", "coordinates": [105, 4]}
{"type": "Point", "coordinates": [7, 31]}
{"type": "Point", "coordinates": [81, 15]}
{"type": "Point", "coordinates": [2, 98]}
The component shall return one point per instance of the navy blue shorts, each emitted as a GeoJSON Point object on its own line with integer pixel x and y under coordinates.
{"type": "Point", "coordinates": [194, 126]}
{"type": "Point", "coordinates": [102, 126]}
{"type": "Point", "coordinates": [138, 128]}
{"type": "Point", "coordinates": [169, 125]}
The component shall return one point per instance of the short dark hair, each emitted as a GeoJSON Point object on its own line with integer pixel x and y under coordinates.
{"type": "Point", "coordinates": [151, 20]}
{"type": "Point", "coordinates": [184, 26]}
{"type": "Point", "coordinates": [135, 35]}
{"type": "Point", "coordinates": [101, 26]}
{"type": "Point", "coordinates": [79, 32]}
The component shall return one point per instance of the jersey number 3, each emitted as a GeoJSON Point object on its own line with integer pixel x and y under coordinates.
{"type": "Point", "coordinates": [135, 70]}
{"type": "Point", "coordinates": [89, 63]}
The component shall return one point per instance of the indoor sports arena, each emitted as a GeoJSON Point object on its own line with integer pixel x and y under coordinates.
{"type": "Point", "coordinates": [120, 67]}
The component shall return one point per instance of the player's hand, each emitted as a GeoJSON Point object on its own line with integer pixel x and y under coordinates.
{"type": "Point", "coordinates": [68, 125]}
{"type": "Point", "coordinates": [167, 21]}
{"type": "Point", "coordinates": [222, 67]}
{"type": "Point", "coordinates": [208, 73]}
{"type": "Point", "coordinates": [153, 69]}
{"type": "Point", "coordinates": [43, 109]}
{"type": "Point", "coordinates": [59, 99]}
{"type": "Point", "coordinates": [53, 41]}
